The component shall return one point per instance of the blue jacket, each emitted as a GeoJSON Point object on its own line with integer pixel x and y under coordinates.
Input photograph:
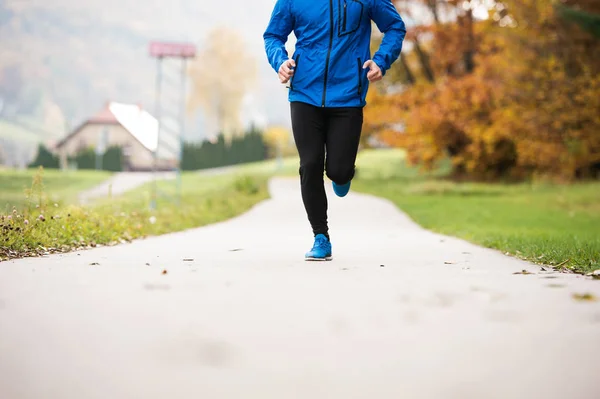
{"type": "Point", "coordinates": [333, 43]}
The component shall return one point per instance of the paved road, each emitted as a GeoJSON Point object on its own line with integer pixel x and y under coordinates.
{"type": "Point", "coordinates": [247, 318]}
{"type": "Point", "coordinates": [120, 183]}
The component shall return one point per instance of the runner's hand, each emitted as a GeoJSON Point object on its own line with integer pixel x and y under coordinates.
{"type": "Point", "coordinates": [374, 73]}
{"type": "Point", "coordinates": [286, 71]}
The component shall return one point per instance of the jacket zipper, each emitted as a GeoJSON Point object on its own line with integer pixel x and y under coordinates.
{"type": "Point", "coordinates": [295, 72]}
{"type": "Point", "coordinates": [328, 51]}
{"type": "Point", "coordinates": [345, 14]}
{"type": "Point", "coordinates": [359, 77]}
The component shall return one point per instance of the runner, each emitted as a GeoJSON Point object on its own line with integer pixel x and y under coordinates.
{"type": "Point", "coordinates": [328, 76]}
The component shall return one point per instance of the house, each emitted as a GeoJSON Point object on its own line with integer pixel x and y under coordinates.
{"type": "Point", "coordinates": [127, 126]}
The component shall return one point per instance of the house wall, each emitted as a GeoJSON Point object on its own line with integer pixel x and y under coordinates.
{"type": "Point", "coordinates": [138, 156]}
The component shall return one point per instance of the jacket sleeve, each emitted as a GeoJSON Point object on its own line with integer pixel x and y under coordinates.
{"type": "Point", "coordinates": [389, 22]}
{"type": "Point", "coordinates": [279, 28]}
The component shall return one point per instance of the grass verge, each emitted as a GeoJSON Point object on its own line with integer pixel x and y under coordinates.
{"type": "Point", "coordinates": [23, 189]}
{"type": "Point", "coordinates": [555, 225]}
{"type": "Point", "coordinates": [50, 228]}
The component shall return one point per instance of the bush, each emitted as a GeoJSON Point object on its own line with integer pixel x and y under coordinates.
{"type": "Point", "coordinates": [249, 148]}
{"type": "Point", "coordinates": [45, 159]}
{"type": "Point", "coordinates": [112, 160]}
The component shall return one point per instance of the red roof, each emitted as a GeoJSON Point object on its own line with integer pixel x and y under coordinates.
{"type": "Point", "coordinates": [104, 116]}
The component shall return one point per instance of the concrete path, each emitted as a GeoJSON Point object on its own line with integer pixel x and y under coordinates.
{"type": "Point", "coordinates": [120, 183]}
{"type": "Point", "coordinates": [239, 314]}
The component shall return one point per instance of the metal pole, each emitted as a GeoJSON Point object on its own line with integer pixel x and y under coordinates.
{"type": "Point", "coordinates": [98, 161]}
{"type": "Point", "coordinates": [157, 111]}
{"type": "Point", "coordinates": [181, 129]}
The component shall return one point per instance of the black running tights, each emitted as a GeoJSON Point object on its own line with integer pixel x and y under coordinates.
{"type": "Point", "coordinates": [327, 140]}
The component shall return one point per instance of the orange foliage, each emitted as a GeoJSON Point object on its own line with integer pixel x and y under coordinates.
{"type": "Point", "coordinates": [531, 105]}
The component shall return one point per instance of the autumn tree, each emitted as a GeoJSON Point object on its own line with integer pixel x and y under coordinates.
{"type": "Point", "coordinates": [279, 142]}
{"type": "Point", "coordinates": [221, 75]}
{"type": "Point", "coordinates": [514, 95]}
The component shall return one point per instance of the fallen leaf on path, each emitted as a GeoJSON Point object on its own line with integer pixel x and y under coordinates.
{"type": "Point", "coordinates": [556, 285]}
{"type": "Point", "coordinates": [587, 297]}
{"type": "Point", "coordinates": [164, 272]}
{"type": "Point", "coordinates": [523, 272]}
{"type": "Point", "coordinates": [542, 269]}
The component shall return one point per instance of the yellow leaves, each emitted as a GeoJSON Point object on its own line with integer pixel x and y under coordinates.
{"type": "Point", "coordinates": [221, 75]}
{"type": "Point", "coordinates": [531, 106]}
{"type": "Point", "coordinates": [279, 141]}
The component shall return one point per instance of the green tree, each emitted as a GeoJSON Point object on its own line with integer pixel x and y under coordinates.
{"type": "Point", "coordinates": [45, 158]}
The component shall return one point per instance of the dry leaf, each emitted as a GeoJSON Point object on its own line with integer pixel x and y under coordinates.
{"type": "Point", "coordinates": [523, 272]}
{"type": "Point", "coordinates": [556, 285]}
{"type": "Point", "coordinates": [587, 297]}
{"type": "Point", "coordinates": [164, 271]}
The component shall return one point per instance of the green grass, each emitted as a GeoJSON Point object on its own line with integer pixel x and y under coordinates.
{"type": "Point", "coordinates": [51, 228]}
{"type": "Point", "coordinates": [57, 186]}
{"type": "Point", "coordinates": [556, 225]}
{"type": "Point", "coordinates": [544, 223]}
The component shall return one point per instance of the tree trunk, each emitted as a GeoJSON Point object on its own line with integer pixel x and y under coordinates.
{"type": "Point", "coordinates": [410, 77]}
{"type": "Point", "coordinates": [433, 7]}
{"type": "Point", "coordinates": [469, 54]}
{"type": "Point", "coordinates": [424, 59]}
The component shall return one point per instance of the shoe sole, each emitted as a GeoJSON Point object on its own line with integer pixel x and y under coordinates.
{"type": "Point", "coordinates": [319, 259]}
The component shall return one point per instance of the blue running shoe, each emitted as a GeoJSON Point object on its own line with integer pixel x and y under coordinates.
{"type": "Point", "coordinates": [321, 249]}
{"type": "Point", "coordinates": [341, 190]}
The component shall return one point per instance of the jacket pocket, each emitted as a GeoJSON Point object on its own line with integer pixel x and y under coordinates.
{"type": "Point", "coordinates": [359, 75]}
{"type": "Point", "coordinates": [350, 16]}
{"type": "Point", "coordinates": [296, 61]}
